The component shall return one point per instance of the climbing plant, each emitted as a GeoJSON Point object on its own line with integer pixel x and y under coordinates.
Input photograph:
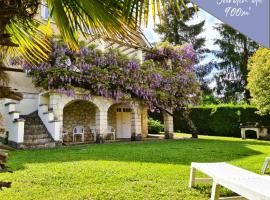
{"type": "Point", "coordinates": [166, 78]}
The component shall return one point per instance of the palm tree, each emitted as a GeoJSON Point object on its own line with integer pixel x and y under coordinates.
{"type": "Point", "coordinates": [117, 19]}
{"type": "Point", "coordinates": [23, 36]}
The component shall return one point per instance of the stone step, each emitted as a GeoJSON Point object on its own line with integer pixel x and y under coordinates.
{"type": "Point", "coordinates": [27, 123]}
{"type": "Point", "coordinates": [38, 146]}
{"type": "Point", "coordinates": [38, 141]}
{"type": "Point", "coordinates": [34, 131]}
{"type": "Point", "coordinates": [34, 127]}
{"type": "Point", "coordinates": [35, 136]}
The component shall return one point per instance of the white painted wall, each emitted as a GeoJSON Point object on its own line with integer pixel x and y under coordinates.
{"type": "Point", "coordinates": [28, 104]}
{"type": "Point", "coordinates": [15, 129]}
{"type": "Point", "coordinates": [48, 120]}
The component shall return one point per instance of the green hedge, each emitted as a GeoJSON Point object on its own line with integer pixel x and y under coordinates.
{"type": "Point", "coordinates": [222, 120]}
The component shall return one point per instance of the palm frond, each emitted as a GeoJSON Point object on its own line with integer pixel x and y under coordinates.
{"type": "Point", "coordinates": [90, 18]}
{"type": "Point", "coordinates": [5, 91]}
{"type": "Point", "coordinates": [8, 93]}
{"type": "Point", "coordinates": [32, 40]}
{"type": "Point", "coordinates": [140, 10]}
{"type": "Point", "coordinates": [3, 76]}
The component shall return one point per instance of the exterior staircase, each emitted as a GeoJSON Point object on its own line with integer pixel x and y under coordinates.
{"type": "Point", "coordinates": [36, 135]}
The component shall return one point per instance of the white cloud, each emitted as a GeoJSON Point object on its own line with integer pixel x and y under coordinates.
{"type": "Point", "coordinates": [210, 33]}
{"type": "Point", "coordinates": [149, 31]}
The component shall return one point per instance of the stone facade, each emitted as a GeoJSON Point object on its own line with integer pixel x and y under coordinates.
{"type": "Point", "coordinates": [99, 112]}
{"type": "Point", "coordinates": [112, 116]}
{"type": "Point", "coordinates": [81, 113]}
{"type": "Point", "coordinates": [2, 128]}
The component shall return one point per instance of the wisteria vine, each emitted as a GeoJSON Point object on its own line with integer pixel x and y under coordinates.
{"type": "Point", "coordinates": [166, 79]}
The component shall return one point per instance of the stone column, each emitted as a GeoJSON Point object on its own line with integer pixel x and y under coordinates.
{"type": "Point", "coordinates": [101, 121]}
{"type": "Point", "coordinates": [136, 129]}
{"type": "Point", "coordinates": [56, 104]}
{"type": "Point", "coordinates": [168, 125]}
{"type": "Point", "coordinates": [144, 120]}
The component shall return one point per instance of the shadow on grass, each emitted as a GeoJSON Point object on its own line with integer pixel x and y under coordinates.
{"type": "Point", "coordinates": [170, 152]}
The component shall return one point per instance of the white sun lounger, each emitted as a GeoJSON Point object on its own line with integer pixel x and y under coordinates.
{"type": "Point", "coordinates": [243, 182]}
{"type": "Point", "coordinates": [265, 165]}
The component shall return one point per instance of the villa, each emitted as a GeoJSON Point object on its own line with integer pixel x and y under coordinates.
{"type": "Point", "coordinates": [44, 119]}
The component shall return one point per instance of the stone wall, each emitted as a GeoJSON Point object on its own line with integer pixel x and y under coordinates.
{"type": "Point", "coordinates": [79, 113]}
{"type": "Point", "coordinates": [144, 122]}
{"type": "Point", "coordinates": [112, 116]}
{"type": "Point", "coordinates": [2, 128]}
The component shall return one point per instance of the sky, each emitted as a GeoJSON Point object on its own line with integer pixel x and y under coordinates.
{"type": "Point", "coordinates": [210, 33]}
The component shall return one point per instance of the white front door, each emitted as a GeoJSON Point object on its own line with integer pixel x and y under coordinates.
{"type": "Point", "coordinates": [123, 117]}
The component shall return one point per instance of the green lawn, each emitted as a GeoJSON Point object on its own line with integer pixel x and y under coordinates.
{"type": "Point", "coordinates": [135, 170]}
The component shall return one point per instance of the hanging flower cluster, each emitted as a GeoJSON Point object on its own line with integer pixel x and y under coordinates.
{"type": "Point", "coordinates": [166, 79]}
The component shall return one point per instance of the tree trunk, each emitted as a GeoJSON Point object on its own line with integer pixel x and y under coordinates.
{"type": "Point", "coordinates": [244, 70]}
{"type": "Point", "coordinates": [190, 123]}
{"type": "Point", "coordinates": [195, 135]}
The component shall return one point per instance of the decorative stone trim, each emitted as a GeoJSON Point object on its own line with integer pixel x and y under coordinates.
{"type": "Point", "coordinates": [12, 112]}
{"type": "Point", "coordinates": [15, 144]}
{"type": "Point", "coordinates": [44, 104]}
{"type": "Point", "coordinates": [53, 121]}
{"type": "Point", "coordinates": [46, 113]}
{"type": "Point", "coordinates": [18, 120]}
{"type": "Point", "coordinates": [10, 103]}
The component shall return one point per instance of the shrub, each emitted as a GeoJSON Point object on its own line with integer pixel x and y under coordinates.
{"type": "Point", "coordinates": [155, 126]}
{"type": "Point", "coordinates": [217, 120]}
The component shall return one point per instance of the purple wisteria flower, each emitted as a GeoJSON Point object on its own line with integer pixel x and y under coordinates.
{"type": "Point", "coordinates": [165, 79]}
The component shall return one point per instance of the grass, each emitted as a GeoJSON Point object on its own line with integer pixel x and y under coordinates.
{"type": "Point", "coordinates": [131, 170]}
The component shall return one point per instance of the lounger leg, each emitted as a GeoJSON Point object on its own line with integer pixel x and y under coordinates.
{"type": "Point", "coordinates": [192, 177]}
{"type": "Point", "coordinates": [265, 165]}
{"type": "Point", "coordinates": [215, 191]}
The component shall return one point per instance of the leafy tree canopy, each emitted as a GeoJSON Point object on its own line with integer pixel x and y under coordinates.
{"type": "Point", "coordinates": [259, 80]}
{"type": "Point", "coordinates": [235, 50]}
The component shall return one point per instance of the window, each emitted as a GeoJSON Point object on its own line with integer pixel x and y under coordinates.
{"type": "Point", "coordinates": [45, 14]}
{"type": "Point", "coordinates": [126, 110]}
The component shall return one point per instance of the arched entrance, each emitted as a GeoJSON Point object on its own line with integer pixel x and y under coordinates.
{"type": "Point", "coordinates": [79, 113]}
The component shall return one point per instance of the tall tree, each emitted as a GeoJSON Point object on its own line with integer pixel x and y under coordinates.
{"type": "Point", "coordinates": [179, 30]}
{"type": "Point", "coordinates": [259, 80]}
{"type": "Point", "coordinates": [235, 50]}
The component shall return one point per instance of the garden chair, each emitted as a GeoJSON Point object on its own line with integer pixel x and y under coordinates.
{"type": "Point", "coordinates": [98, 138]}
{"type": "Point", "coordinates": [78, 130]}
{"type": "Point", "coordinates": [243, 182]}
{"type": "Point", "coordinates": [111, 130]}
{"type": "Point", "coordinates": [95, 132]}
{"type": "Point", "coordinates": [265, 165]}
